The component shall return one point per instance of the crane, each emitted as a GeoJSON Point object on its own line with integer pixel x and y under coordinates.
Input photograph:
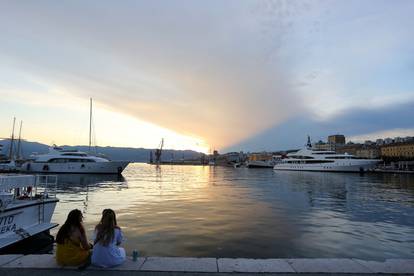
{"type": "Point", "coordinates": [158, 152]}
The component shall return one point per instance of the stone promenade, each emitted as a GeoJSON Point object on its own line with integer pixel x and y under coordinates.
{"type": "Point", "coordinates": [46, 265]}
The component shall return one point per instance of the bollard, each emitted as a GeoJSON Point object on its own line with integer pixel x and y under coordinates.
{"type": "Point", "coordinates": [134, 255]}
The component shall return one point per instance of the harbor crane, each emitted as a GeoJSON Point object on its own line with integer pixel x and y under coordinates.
{"type": "Point", "coordinates": [158, 152]}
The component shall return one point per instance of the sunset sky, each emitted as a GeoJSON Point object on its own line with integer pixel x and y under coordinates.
{"type": "Point", "coordinates": [228, 75]}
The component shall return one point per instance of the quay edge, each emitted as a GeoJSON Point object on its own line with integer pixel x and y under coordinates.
{"type": "Point", "coordinates": [46, 265]}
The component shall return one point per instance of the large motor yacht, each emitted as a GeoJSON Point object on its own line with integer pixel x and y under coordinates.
{"type": "Point", "coordinates": [59, 160]}
{"type": "Point", "coordinates": [308, 159]}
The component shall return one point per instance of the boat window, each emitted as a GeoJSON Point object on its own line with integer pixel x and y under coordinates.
{"type": "Point", "coordinates": [301, 157]}
{"type": "Point", "coordinates": [342, 157]}
{"type": "Point", "coordinates": [309, 161]}
{"type": "Point", "coordinates": [70, 160]}
{"type": "Point", "coordinates": [74, 154]}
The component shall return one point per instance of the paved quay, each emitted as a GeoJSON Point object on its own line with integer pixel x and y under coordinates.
{"type": "Point", "coordinates": [159, 266]}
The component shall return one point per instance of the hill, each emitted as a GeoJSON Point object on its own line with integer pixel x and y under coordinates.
{"type": "Point", "coordinates": [114, 153]}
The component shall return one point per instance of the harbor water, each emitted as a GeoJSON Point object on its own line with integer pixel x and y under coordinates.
{"type": "Point", "coordinates": [254, 213]}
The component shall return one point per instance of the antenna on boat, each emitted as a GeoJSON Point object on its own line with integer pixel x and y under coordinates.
{"type": "Point", "coordinates": [90, 124]}
{"type": "Point", "coordinates": [309, 144]}
{"type": "Point", "coordinates": [12, 140]}
{"type": "Point", "coordinates": [19, 148]}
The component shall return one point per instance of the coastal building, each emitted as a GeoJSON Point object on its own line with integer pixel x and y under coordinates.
{"type": "Point", "coordinates": [388, 141]}
{"type": "Point", "coordinates": [408, 139]}
{"type": "Point", "coordinates": [350, 148]}
{"type": "Point", "coordinates": [260, 156]}
{"type": "Point", "coordinates": [323, 146]}
{"type": "Point", "coordinates": [334, 142]}
{"type": "Point", "coordinates": [337, 139]}
{"type": "Point", "coordinates": [398, 140]}
{"type": "Point", "coordinates": [371, 152]}
{"type": "Point", "coordinates": [400, 151]}
{"type": "Point", "coordinates": [369, 143]}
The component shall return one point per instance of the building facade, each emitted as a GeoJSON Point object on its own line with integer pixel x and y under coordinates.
{"type": "Point", "coordinates": [350, 149]}
{"type": "Point", "coordinates": [368, 153]}
{"type": "Point", "coordinates": [338, 139]}
{"type": "Point", "coordinates": [401, 151]}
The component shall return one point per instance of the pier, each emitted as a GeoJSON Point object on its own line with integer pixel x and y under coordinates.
{"type": "Point", "coordinates": [46, 265]}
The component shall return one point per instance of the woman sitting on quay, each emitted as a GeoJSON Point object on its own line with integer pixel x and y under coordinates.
{"type": "Point", "coordinates": [108, 237]}
{"type": "Point", "coordinates": [73, 248]}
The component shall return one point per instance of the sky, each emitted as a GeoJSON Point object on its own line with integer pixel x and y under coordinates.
{"type": "Point", "coordinates": [227, 75]}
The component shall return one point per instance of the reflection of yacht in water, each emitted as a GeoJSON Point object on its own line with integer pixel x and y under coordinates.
{"type": "Point", "coordinates": [308, 159]}
{"type": "Point", "coordinates": [59, 160]}
{"type": "Point", "coordinates": [69, 181]}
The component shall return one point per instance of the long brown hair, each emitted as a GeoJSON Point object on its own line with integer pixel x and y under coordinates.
{"type": "Point", "coordinates": [105, 230]}
{"type": "Point", "coordinates": [74, 220]}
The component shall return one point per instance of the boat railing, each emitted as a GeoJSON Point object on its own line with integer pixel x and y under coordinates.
{"type": "Point", "coordinates": [46, 185]}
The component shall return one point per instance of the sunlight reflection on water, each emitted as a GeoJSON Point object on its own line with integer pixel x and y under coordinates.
{"type": "Point", "coordinates": [226, 212]}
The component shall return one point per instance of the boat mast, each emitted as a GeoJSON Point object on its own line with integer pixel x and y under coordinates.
{"type": "Point", "coordinates": [18, 152]}
{"type": "Point", "coordinates": [90, 124]}
{"type": "Point", "coordinates": [12, 140]}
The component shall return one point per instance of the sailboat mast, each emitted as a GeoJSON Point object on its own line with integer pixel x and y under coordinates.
{"type": "Point", "coordinates": [18, 152]}
{"type": "Point", "coordinates": [90, 125]}
{"type": "Point", "coordinates": [12, 140]}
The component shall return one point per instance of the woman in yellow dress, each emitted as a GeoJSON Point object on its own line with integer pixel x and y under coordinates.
{"type": "Point", "coordinates": [73, 248]}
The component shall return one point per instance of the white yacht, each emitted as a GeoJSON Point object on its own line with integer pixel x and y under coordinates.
{"type": "Point", "coordinates": [27, 203]}
{"type": "Point", "coordinates": [59, 160]}
{"type": "Point", "coordinates": [308, 159]}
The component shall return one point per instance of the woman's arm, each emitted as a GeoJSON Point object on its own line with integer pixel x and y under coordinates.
{"type": "Point", "coordinates": [119, 237]}
{"type": "Point", "coordinates": [83, 240]}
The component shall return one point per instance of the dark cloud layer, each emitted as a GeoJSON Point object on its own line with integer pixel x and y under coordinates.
{"type": "Point", "coordinates": [292, 133]}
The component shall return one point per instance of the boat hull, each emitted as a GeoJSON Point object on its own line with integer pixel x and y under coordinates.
{"type": "Point", "coordinates": [111, 167]}
{"type": "Point", "coordinates": [25, 219]}
{"type": "Point", "coordinates": [260, 164]}
{"type": "Point", "coordinates": [355, 166]}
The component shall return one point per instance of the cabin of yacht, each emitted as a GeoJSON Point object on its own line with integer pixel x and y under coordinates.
{"type": "Point", "coordinates": [308, 159]}
{"type": "Point", "coordinates": [59, 160]}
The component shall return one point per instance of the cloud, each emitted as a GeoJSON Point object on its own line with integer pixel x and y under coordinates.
{"type": "Point", "coordinates": [355, 124]}
{"type": "Point", "coordinates": [220, 71]}
{"type": "Point", "coordinates": [202, 69]}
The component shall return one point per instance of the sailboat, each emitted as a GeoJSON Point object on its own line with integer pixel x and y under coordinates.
{"type": "Point", "coordinates": [60, 160]}
{"type": "Point", "coordinates": [9, 165]}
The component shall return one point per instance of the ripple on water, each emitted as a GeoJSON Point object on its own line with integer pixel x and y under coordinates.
{"type": "Point", "coordinates": [226, 212]}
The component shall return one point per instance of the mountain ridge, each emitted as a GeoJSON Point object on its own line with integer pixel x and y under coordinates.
{"type": "Point", "coordinates": [114, 153]}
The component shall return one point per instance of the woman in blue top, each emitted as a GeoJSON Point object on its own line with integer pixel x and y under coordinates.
{"type": "Point", "coordinates": [108, 237]}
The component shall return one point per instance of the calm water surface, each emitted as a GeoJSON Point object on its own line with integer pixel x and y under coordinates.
{"type": "Point", "coordinates": [226, 212]}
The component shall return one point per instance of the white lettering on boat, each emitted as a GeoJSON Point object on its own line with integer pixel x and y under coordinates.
{"type": "Point", "coordinates": [7, 224]}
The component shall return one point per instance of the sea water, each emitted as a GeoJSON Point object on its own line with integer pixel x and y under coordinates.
{"type": "Point", "coordinates": [207, 211]}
